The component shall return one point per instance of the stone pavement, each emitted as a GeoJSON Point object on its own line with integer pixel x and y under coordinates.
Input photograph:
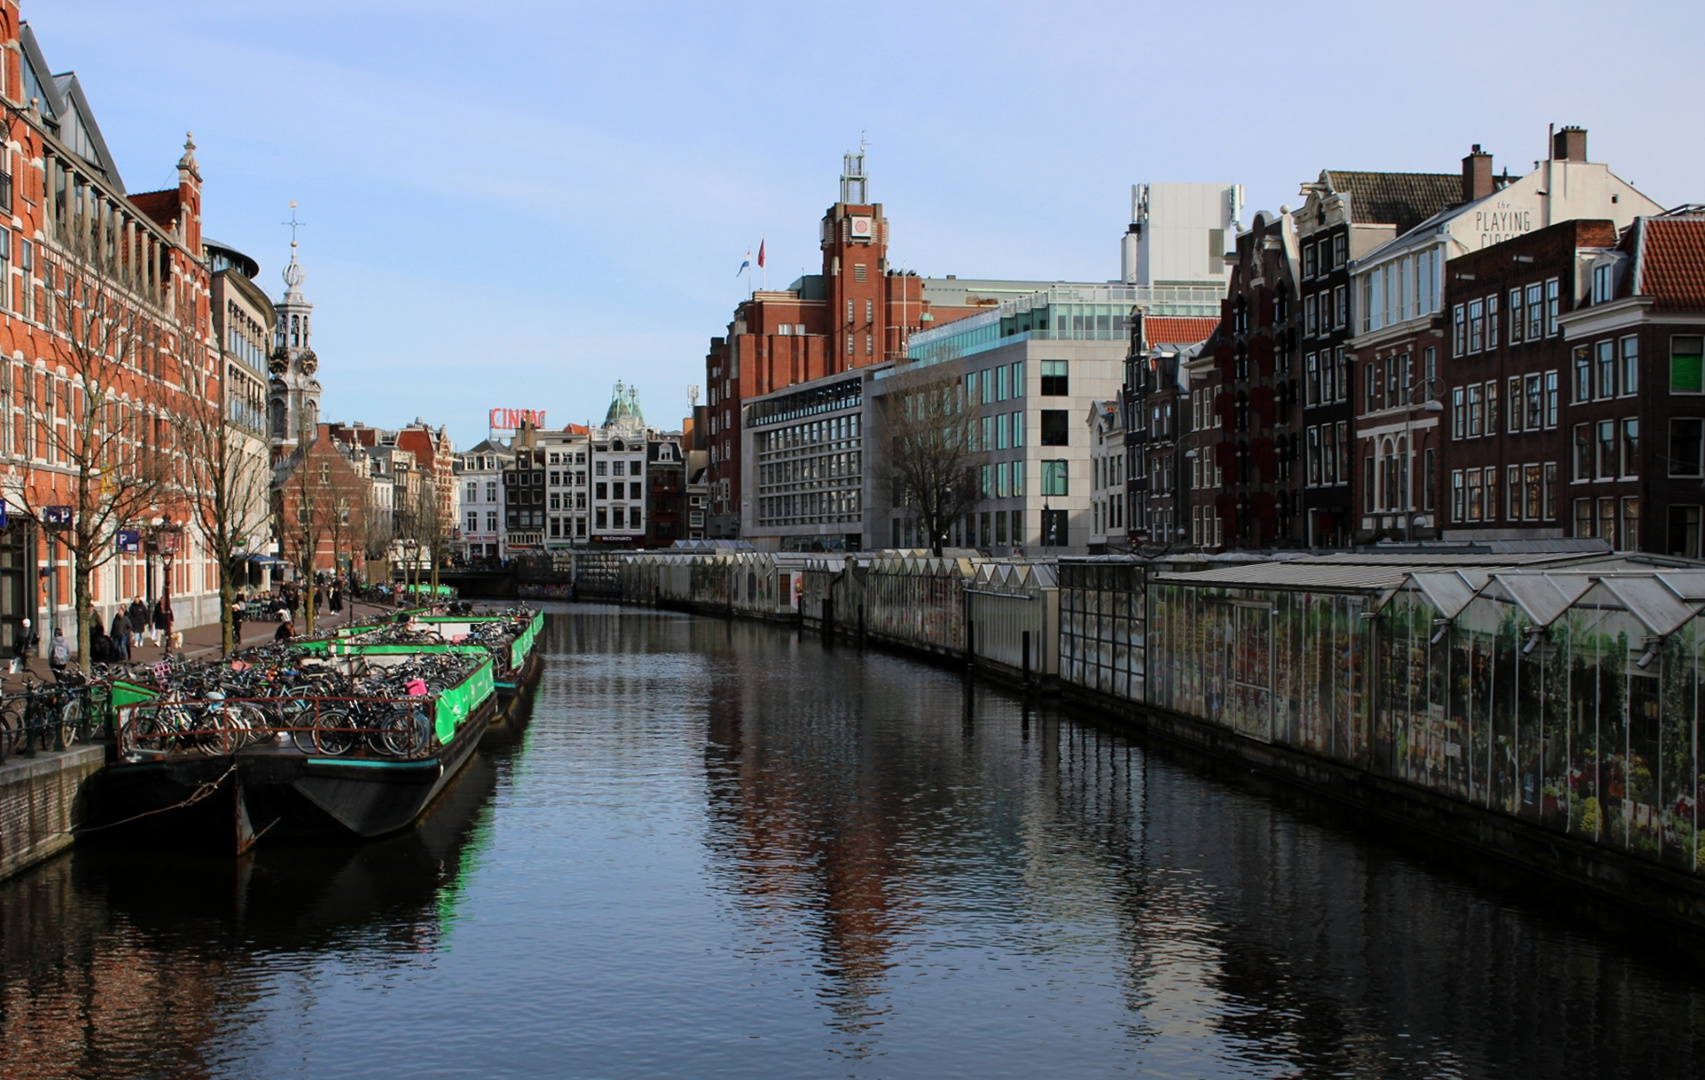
{"type": "Point", "coordinates": [203, 641]}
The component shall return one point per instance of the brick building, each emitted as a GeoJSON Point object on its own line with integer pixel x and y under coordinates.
{"type": "Point", "coordinates": [1402, 340]}
{"type": "Point", "coordinates": [1157, 404]}
{"type": "Point", "coordinates": [1345, 215]}
{"type": "Point", "coordinates": [1246, 406]}
{"type": "Point", "coordinates": [1506, 450]}
{"type": "Point", "coordinates": [1635, 414]}
{"type": "Point", "coordinates": [77, 241]}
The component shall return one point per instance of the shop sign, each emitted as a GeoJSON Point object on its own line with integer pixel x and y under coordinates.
{"type": "Point", "coordinates": [512, 419]}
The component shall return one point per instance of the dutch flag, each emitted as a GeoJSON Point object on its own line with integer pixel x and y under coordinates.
{"type": "Point", "coordinates": [745, 264]}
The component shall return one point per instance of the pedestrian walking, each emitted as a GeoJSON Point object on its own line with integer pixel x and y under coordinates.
{"type": "Point", "coordinates": [23, 646]}
{"type": "Point", "coordinates": [59, 653]}
{"type": "Point", "coordinates": [236, 626]}
{"type": "Point", "coordinates": [337, 599]}
{"type": "Point", "coordinates": [121, 635]}
{"type": "Point", "coordinates": [137, 616]}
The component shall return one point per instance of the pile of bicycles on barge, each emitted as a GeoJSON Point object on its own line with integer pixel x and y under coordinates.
{"type": "Point", "coordinates": [350, 735]}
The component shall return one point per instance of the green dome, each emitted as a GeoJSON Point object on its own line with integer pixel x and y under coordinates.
{"type": "Point", "coordinates": [624, 407]}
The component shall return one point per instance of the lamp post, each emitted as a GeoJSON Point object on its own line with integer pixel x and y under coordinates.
{"type": "Point", "coordinates": [1432, 389]}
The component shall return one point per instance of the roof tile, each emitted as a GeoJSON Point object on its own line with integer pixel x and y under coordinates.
{"type": "Point", "coordinates": [1401, 199]}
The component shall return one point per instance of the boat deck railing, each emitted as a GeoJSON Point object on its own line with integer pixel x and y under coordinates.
{"type": "Point", "coordinates": [355, 728]}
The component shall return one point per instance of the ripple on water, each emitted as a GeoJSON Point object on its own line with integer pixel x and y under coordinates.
{"type": "Point", "coordinates": [722, 849]}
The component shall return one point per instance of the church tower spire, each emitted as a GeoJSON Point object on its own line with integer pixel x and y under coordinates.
{"type": "Point", "coordinates": [293, 405]}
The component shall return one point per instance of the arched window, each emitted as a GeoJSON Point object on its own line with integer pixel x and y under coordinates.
{"type": "Point", "coordinates": [1403, 471]}
{"type": "Point", "coordinates": [296, 330]}
{"type": "Point", "coordinates": [1388, 484]}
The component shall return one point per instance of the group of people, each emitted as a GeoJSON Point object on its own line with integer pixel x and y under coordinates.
{"type": "Point", "coordinates": [129, 626]}
{"type": "Point", "coordinates": [134, 622]}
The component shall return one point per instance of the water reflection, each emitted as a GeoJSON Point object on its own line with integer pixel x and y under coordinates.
{"type": "Point", "coordinates": [138, 963]}
{"type": "Point", "coordinates": [724, 850]}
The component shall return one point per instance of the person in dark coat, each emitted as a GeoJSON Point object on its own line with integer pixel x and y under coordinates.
{"type": "Point", "coordinates": [121, 636]}
{"type": "Point", "coordinates": [284, 632]}
{"type": "Point", "coordinates": [24, 646]}
{"type": "Point", "coordinates": [237, 624]}
{"type": "Point", "coordinates": [137, 616]}
{"type": "Point", "coordinates": [163, 622]}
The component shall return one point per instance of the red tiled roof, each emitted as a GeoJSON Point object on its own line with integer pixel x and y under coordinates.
{"type": "Point", "coordinates": [1672, 254]}
{"type": "Point", "coordinates": [1176, 330]}
{"type": "Point", "coordinates": [160, 206]}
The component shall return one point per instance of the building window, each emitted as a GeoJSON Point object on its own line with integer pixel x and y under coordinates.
{"type": "Point", "coordinates": [1630, 365]}
{"type": "Point", "coordinates": [1517, 404]}
{"type": "Point", "coordinates": [1054, 378]}
{"type": "Point", "coordinates": [1631, 447]}
{"type": "Point", "coordinates": [1054, 478]}
{"type": "Point", "coordinates": [1017, 367]}
{"type": "Point", "coordinates": [1631, 523]}
{"type": "Point", "coordinates": [1687, 364]}
{"type": "Point", "coordinates": [1492, 407]}
{"type": "Point", "coordinates": [1606, 369]}
{"type": "Point", "coordinates": [1311, 379]}
{"type": "Point", "coordinates": [1492, 321]}
{"type": "Point", "coordinates": [1517, 315]}
{"type": "Point", "coordinates": [1308, 261]}
{"type": "Point", "coordinates": [1606, 449]}
{"type": "Point", "coordinates": [1459, 331]}
{"type": "Point", "coordinates": [1475, 411]}
{"type": "Point", "coordinates": [858, 271]}
{"type": "Point", "coordinates": [1055, 427]}
{"type": "Point", "coordinates": [1583, 373]}
{"type": "Point", "coordinates": [1583, 453]}
{"type": "Point", "coordinates": [1368, 481]}
{"type": "Point", "coordinates": [1457, 414]}
{"type": "Point", "coordinates": [1513, 492]}
{"type": "Point", "coordinates": [1341, 305]}
{"type": "Point", "coordinates": [1551, 301]}
{"type": "Point", "coordinates": [1687, 447]}
{"type": "Point", "coordinates": [1684, 531]}
{"type": "Point", "coordinates": [1476, 494]}
{"type": "Point", "coordinates": [1476, 325]}
{"type": "Point", "coordinates": [1429, 465]}
{"type": "Point", "coordinates": [1583, 517]}
{"type": "Point", "coordinates": [1310, 325]}
{"type": "Point", "coordinates": [1550, 399]}
{"type": "Point", "coordinates": [1535, 312]}
{"type": "Point", "coordinates": [473, 522]}
{"type": "Point", "coordinates": [1607, 522]}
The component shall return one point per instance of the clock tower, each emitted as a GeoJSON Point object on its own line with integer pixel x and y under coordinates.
{"type": "Point", "coordinates": [293, 394]}
{"type": "Point", "coordinates": [855, 260]}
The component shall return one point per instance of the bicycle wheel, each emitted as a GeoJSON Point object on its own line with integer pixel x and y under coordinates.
{"type": "Point", "coordinates": [336, 733]}
{"type": "Point", "coordinates": [10, 724]}
{"type": "Point", "coordinates": [70, 721]}
{"type": "Point", "coordinates": [404, 733]}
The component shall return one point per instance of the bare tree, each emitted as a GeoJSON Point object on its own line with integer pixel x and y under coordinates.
{"type": "Point", "coordinates": [228, 475]}
{"type": "Point", "coordinates": [932, 449]}
{"type": "Point", "coordinates": [107, 426]}
{"type": "Point", "coordinates": [316, 500]}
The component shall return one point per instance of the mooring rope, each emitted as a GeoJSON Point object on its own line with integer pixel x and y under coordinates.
{"type": "Point", "coordinates": [194, 797]}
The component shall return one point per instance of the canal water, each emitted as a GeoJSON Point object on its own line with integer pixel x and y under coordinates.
{"type": "Point", "coordinates": [723, 849]}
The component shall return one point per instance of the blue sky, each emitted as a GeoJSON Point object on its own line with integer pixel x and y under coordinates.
{"type": "Point", "coordinates": [516, 204]}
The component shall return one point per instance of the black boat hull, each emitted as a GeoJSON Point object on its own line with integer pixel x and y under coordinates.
{"type": "Point", "coordinates": [227, 803]}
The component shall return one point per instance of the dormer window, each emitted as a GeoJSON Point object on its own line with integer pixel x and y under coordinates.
{"type": "Point", "coordinates": [1604, 282]}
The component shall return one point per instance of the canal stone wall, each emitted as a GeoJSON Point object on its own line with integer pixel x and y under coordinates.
{"type": "Point", "coordinates": [42, 802]}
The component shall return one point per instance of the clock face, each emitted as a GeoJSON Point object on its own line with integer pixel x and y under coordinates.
{"type": "Point", "coordinates": [279, 363]}
{"type": "Point", "coordinates": [861, 228]}
{"type": "Point", "coordinates": [310, 362]}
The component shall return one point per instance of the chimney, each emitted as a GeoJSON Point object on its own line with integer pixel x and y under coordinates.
{"type": "Point", "coordinates": [1476, 175]}
{"type": "Point", "coordinates": [1570, 144]}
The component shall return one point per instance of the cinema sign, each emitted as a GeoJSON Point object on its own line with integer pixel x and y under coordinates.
{"type": "Point", "coordinates": [512, 419]}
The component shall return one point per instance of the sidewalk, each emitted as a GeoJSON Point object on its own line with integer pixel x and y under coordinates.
{"type": "Point", "coordinates": [202, 642]}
